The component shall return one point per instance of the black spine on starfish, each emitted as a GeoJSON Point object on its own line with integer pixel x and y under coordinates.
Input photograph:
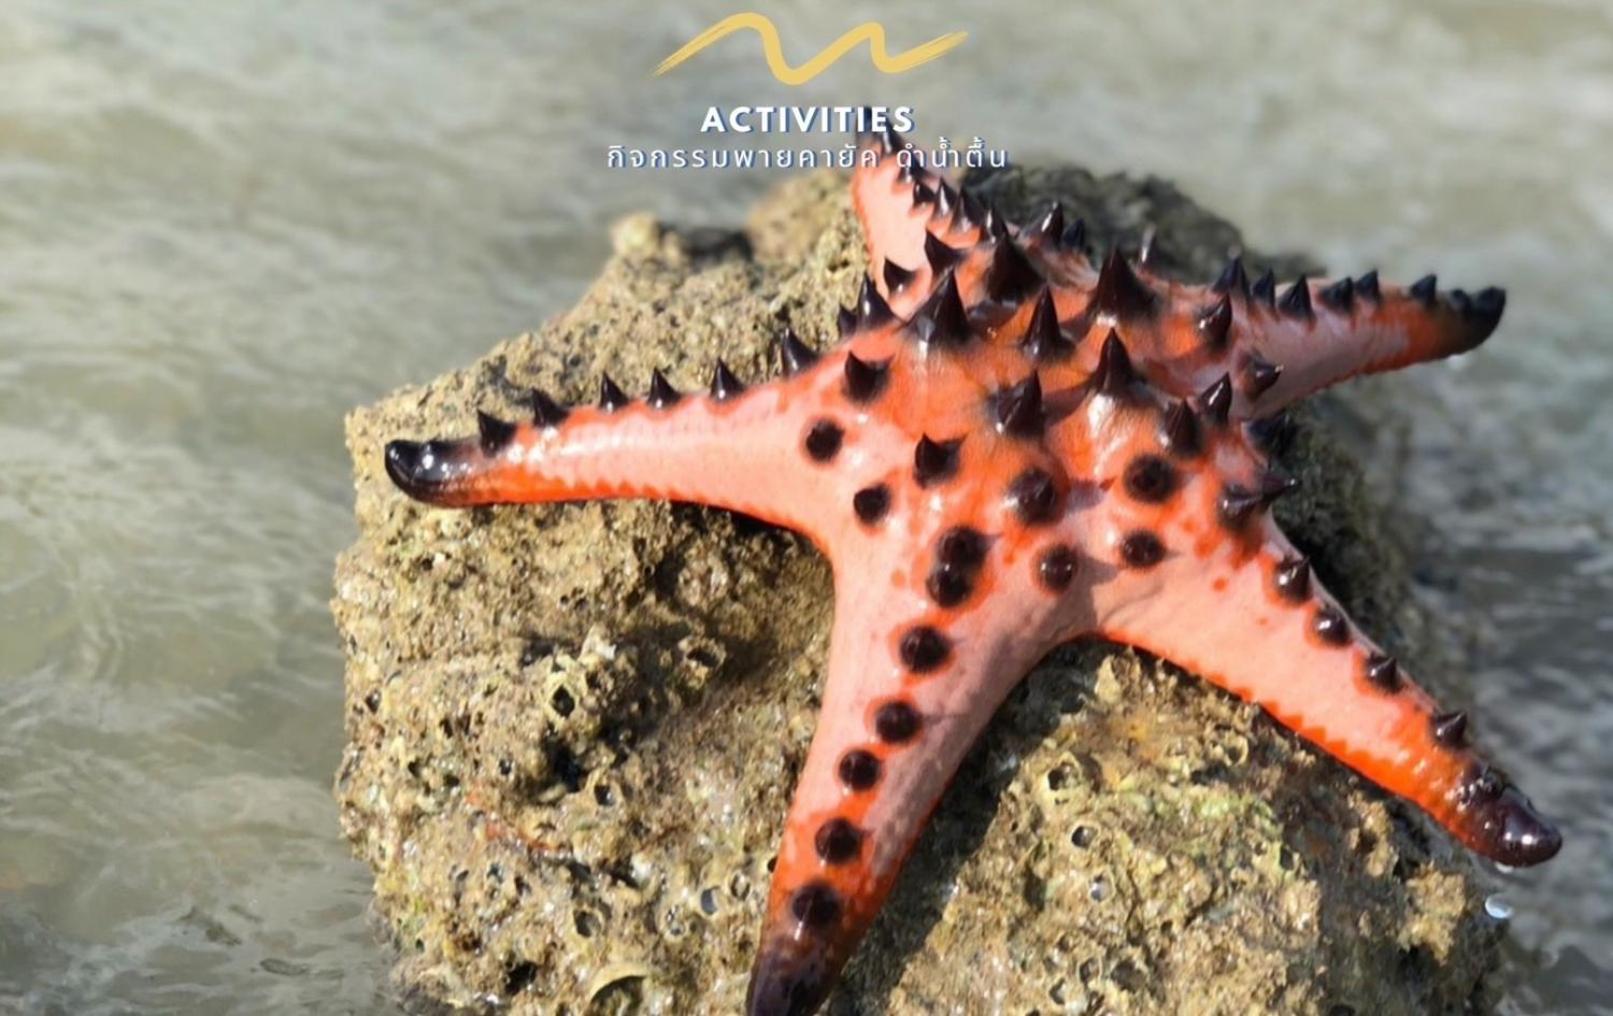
{"type": "Point", "coordinates": [1215, 322]}
{"type": "Point", "coordinates": [1044, 341]}
{"type": "Point", "coordinates": [1425, 290]}
{"type": "Point", "coordinates": [896, 277]}
{"type": "Point", "coordinates": [1115, 375]}
{"type": "Point", "coordinates": [864, 380]}
{"type": "Point", "coordinates": [1019, 409]}
{"type": "Point", "coordinates": [996, 224]}
{"type": "Point", "coordinates": [724, 385]}
{"type": "Point", "coordinates": [1215, 402]}
{"type": "Point", "coordinates": [969, 214]}
{"type": "Point", "coordinates": [1264, 289]}
{"type": "Point", "coordinates": [1050, 227]}
{"type": "Point", "coordinates": [1296, 302]}
{"type": "Point", "coordinates": [934, 461]}
{"type": "Point", "coordinates": [1239, 504]}
{"type": "Point", "coordinates": [845, 321]}
{"type": "Point", "coordinates": [1232, 278]}
{"type": "Point", "coordinates": [797, 355]}
{"type": "Point", "coordinates": [1011, 277]}
{"type": "Point", "coordinates": [546, 412]}
{"type": "Point", "coordinates": [494, 434]}
{"type": "Point", "coordinates": [1450, 729]}
{"type": "Point", "coordinates": [662, 394]}
{"type": "Point", "coordinates": [1367, 288]}
{"type": "Point", "coordinates": [1258, 375]}
{"type": "Point", "coordinates": [923, 195]}
{"type": "Point", "coordinates": [946, 199]}
{"type": "Point", "coordinates": [939, 254]}
{"type": "Point", "coordinates": [1075, 237]}
{"type": "Point", "coordinates": [942, 320]}
{"type": "Point", "coordinates": [1340, 296]}
{"type": "Point", "coordinates": [1120, 292]}
{"type": "Point", "coordinates": [611, 396]}
{"type": "Point", "coordinates": [1383, 673]}
{"type": "Point", "coordinates": [872, 310]}
{"type": "Point", "coordinates": [1271, 434]}
{"type": "Point", "coordinates": [1293, 579]}
{"type": "Point", "coordinates": [1180, 433]}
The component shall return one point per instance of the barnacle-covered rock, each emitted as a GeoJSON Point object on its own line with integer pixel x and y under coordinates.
{"type": "Point", "coordinates": [573, 730]}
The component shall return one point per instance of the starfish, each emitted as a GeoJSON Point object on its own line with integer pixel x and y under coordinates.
{"type": "Point", "coordinates": [1013, 446]}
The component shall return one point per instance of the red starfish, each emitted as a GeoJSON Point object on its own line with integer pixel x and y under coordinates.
{"type": "Point", "coordinates": [1012, 448]}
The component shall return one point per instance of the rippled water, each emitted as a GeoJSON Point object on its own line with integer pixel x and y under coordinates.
{"type": "Point", "coordinates": [221, 225]}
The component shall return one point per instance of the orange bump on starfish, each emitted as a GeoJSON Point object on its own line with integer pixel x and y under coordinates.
{"type": "Point", "coordinates": [1013, 446]}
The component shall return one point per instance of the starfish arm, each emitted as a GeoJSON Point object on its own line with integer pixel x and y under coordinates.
{"type": "Point", "coordinates": [1339, 330]}
{"type": "Point", "coordinates": [1247, 614]}
{"type": "Point", "coordinates": [735, 449]}
{"type": "Point", "coordinates": [910, 686]}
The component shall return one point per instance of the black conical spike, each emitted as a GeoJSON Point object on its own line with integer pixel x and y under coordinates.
{"type": "Point", "coordinates": [1450, 729]}
{"type": "Point", "coordinates": [1114, 375]}
{"type": "Point", "coordinates": [934, 461]}
{"type": "Point", "coordinates": [1215, 323]}
{"type": "Point", "coordinates": [1011, 276]}
{"type": "Point", "coordinates": [1340, 296]}
{"type": "Point", "coordinates": [1019, 409]}
{"type": "Point", "coordinates": [1425, 290]}
{"type": "Point", "coordinates": [1180, 435]}
{"type": "Point", "coordinates": [1293, 579]}
{"type": "Point", "coordinates": [662, 394]}
{"type": "Point", "coordinates": [969, 213]}
{"type": "Point", "coordinates": [546, 412]}
{"type": "Point", "coordinates": [1050, 227]}
{"type": "Point", "coordinates": [1215, 402]}
{"type": "Point", "coordinates": [1274, 484]}
{"type": "Point", "coordinates": [1075, 237]}
{"type": "Point", "coordinates": [923, 195]}
{"type": "Point", "coordinates": [797, 355]}
{"type": "Point", "coordinates": [1119, 291]}
{"type": "Point", "coordinates": [1258, 375]}
{"type": "Point", "coordinates": [845, 321]}
{"type": "Point", "coordinates": [864, 380]}
{"type": "Point", "coordinates": [896, 276]}
{"type": "Point", "coordinates": [1044, 341]}
{"type": "Point", "coordinates": [891, 142]}
{"type": "Point", "coordinates": [938, 254]}
{"type": "Point", "coordinates": [1367, 288]}
{"type": "Point", "coordinates": [1296, 302]}
{"type": "Point", "coordinates": [946, 199]}
{"type": "Point", "coordinates": [1264, 290]}
{"type": "Point", "coordinates": [1271, 434]}
{"type": "Point", "coordinates": [611, 396]}
{"type": "Point", "coordinates": [724, 385]}
{"type": "Point", "coordinates": [493, 433]}
{"type": "Point", "coordinates": [942, 320]}
{"type": "Point", "coordinates": [1232, 279]}
{"type": "Point", "coordinates": [1383, 672]}
{"type": "Point", "coordinates": [1238, 504]}
{"type": "Point", "coordinates": [996, 223]}
{"type": "Point", "coordinates": [872, 310]}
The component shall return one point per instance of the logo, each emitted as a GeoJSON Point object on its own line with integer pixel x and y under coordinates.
{"type": "Point", "coordinates": [773, 48]}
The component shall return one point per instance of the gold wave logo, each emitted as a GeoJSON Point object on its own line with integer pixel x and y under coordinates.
{"type": "Point", "coordinates": [773, 48]}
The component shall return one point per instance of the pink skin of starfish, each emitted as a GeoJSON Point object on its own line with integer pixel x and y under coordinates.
{"type": "Point", "coordinates": [1013, 447]}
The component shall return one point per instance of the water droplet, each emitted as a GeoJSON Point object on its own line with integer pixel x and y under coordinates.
{"type": "Point", "coordinates": [1498, 908]}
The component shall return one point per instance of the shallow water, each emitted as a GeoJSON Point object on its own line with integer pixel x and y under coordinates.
{"type": "Point", "coordinates": [223, 225]}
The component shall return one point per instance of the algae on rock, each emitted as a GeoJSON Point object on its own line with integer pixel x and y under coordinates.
{"type": "Point", "coordinates": [573, 730]}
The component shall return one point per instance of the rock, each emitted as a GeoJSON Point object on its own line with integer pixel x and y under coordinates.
{"type": "Point", "coordinates": [573, 730]}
